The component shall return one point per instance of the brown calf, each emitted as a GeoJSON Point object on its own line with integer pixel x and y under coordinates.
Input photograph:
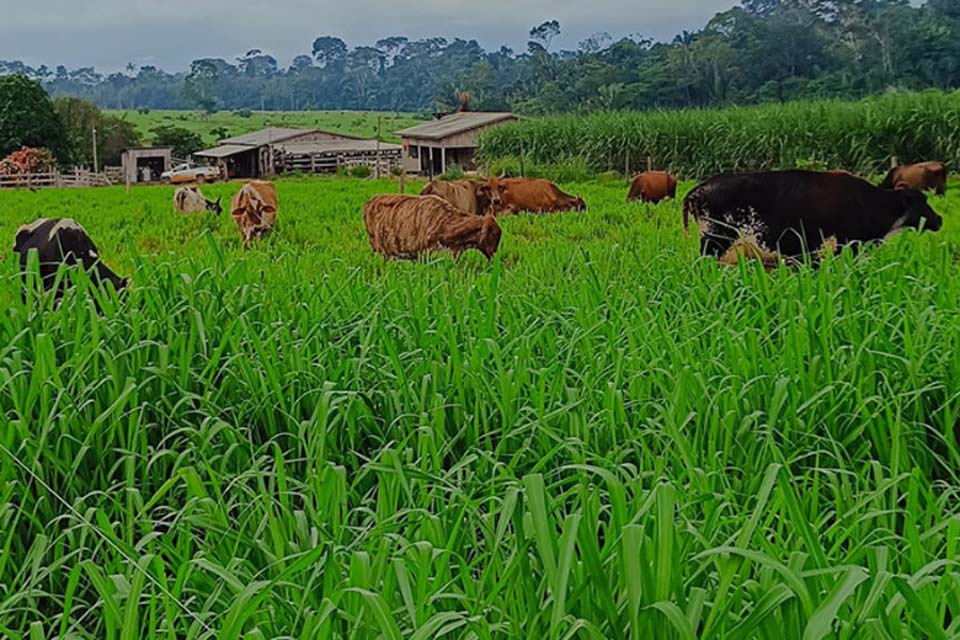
{"type": "Point", "coordinates": [533, 195]}
{"type": "Point", "coordinates": [653, 187]}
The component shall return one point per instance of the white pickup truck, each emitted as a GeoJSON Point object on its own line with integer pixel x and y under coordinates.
{"type": "Point", "coordinates": [188, 173]}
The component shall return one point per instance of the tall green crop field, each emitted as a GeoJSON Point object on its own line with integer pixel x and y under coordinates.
{"type": "Point", "coordinates": [832, 134]}
{"type": "Point", "coordinates": [596, 435]}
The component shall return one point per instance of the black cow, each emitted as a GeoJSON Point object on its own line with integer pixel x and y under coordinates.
{"type": "Point", "coordinates": [792, 212]}
{"type": "Point", "coordinates": [62, 241]}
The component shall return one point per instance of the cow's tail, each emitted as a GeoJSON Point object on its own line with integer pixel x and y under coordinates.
{"type": "Point", "coordinates": [888, 181]}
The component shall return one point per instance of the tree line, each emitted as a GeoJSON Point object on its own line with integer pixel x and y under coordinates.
{"type": "Point", "coordinates": [760, 51]}
{"type": "Point", "coordinates": [69, 127]}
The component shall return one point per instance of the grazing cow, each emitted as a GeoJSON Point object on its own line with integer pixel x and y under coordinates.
{"type": "Point", "coordinates": [533, 195]}
{"type": "Point", "coordinates": [653, 187]}
{"type": "Point", "coordinates": [467, 195]}
{"type": "Point", "coordinates": [192, 200]}
{"type": "Point", "coordinates": [401, 226]}
{"type": "Point", "coordinates": [792, 212]}
{"type": "Point", "coordinates": [254, 209]}
{"type": "Point", "coordinates": [62, 241]}
{"type": "Point", "coordinates": [925, 176]}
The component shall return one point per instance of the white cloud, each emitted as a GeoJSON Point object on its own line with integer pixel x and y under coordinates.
{"type": "Point", "coordinates": [171, 33]}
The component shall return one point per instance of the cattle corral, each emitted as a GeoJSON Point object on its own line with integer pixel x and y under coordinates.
{"type": "Point", "coordinates": [597, 426]}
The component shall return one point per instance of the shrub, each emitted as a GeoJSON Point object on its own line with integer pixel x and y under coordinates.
{"type": "Point", "coordinates": [243, 113]}
{"type": "Point", "coordinates": [454, 172]}
{"type": "Point", "coordinates": [27, 160]}
{"type": "Point", "coordinates": [360, 171]}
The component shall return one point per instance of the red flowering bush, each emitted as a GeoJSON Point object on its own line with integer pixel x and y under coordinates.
{"type": "Point", "coordinates": [27, 160]}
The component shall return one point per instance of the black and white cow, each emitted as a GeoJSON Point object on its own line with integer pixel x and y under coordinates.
{"type": "Point", "coordinates": [793, 212]}
{"type": "Point", "coordinates": [62, 241]}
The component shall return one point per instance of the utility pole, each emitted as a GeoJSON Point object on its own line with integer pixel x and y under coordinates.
{"type": "Point", "coordinates": [379, 119]}
{"type": "Point", "coordinates": [96, 166]}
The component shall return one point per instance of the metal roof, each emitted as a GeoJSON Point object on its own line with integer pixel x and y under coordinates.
{"type": "Point", "coordinates": [224, 151]}
{"type": "Point", "coordinates": [337, 146]}
{"type": "Point", "coordinates": [455, 123]}
{"type": "Point", "coordinates": [270, 135]}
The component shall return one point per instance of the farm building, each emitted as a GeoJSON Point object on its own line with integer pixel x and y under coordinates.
{"type": "Point", "coordinates": [145, 164]}
{"type": "Point", "coordinates": [431, 147]}
{"type": "Point", "coordinates": [277, 150]}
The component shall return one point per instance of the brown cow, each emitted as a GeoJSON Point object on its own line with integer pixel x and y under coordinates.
{"type": "Point", "coordinates": [653, 187]}
{"type": "Point", "coordinates": [467, 195]}
{"type": "Point", "coordinates": [533, 195]}
{"type": "Point", "coordinates": [254, 209]}
{"type": "Point", "coordinates": [401, 226]}
{"type": "Point", "coordinates": [925, 176]}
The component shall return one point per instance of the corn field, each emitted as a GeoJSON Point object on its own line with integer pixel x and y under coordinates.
{"type": "Point", "coordinates": [859, 136]}
{"type": "Point", "coordinates": [597, 435]}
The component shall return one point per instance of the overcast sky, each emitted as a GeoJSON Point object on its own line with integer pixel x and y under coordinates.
{"type": "Point", "coordinates": [171, 33]}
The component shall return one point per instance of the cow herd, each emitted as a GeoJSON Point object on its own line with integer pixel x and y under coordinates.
{"type": "Point", "coordinates": [766, 215]}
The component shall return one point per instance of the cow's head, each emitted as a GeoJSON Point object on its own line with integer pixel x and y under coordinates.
{"type": "Point", "coordinates": [916, 212]}
{"type": "Point", "coordinates": [214, 205]}
{"type": "Point", "coordinates": [581, 204]}
{"type": "Point", "coordinates": [474, 232]}
{"type": "Point", "coordinates": [490, 195]}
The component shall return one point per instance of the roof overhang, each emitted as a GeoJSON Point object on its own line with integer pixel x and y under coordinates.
{"type": "Point", "coordinates": [224, 151]}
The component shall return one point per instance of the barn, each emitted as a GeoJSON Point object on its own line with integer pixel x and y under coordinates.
{"type": "Point", "coordinates": [277, 150]}
{"type": "Point", "coordinates": [431, 147]}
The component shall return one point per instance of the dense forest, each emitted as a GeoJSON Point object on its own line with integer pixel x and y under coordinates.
{"type": "Point", "coordinates": [764, 50]}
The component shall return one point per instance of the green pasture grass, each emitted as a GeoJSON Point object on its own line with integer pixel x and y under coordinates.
{"type": "Point", "coordinates": [596, 435]}
{"type": "Point", "coordinates": [697, 143]}
{"type": "Point", "coordinates": [356, 123]}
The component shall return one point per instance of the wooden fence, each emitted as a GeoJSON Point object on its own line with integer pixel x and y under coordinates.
{"type": "Point", "coordinates": [330, 162]}
{"type": "Point", "coordinates": [55, 179]}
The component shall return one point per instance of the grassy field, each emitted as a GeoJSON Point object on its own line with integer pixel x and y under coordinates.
{"type": "Point", "coordinates": [830, 134]}
{"type": "Point", "coordinates": [597, 435]}
{"type": "Point", "coordinates": [357, 123]}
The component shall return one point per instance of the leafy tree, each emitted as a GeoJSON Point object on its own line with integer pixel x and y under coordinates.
{"type": "Point", "coordinates": [184, 142]}
{"type": "Point", "coordinates": [114, 134]}
{"type": "Point", "coordinates": [200, 86]}
{"type": "Point", "coordinates": [28, 119]}
{"type": "Point", "coordinates": [545, 32]}
{"type": "Point", "coordinates": [329, 51]}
